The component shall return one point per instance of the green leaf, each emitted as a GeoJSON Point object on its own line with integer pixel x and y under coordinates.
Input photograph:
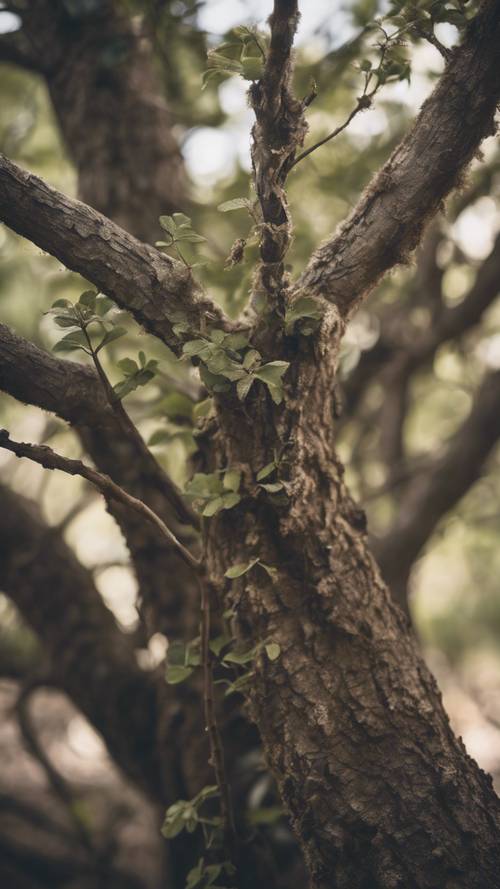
{"type": "Point", "coordinates": [62, 303]}
{"type": "Point", "coordinates": [128, 366]}
{"type": "Point", "coordinates": [88, 299]}
{"type": "Point", "coordinates": [176, 673]}
{"type": "Point", "coordinates": [234, 204]}
{"type": "Point", "coordinates": [160, 436]}
{"type": "Point", "coordinates": [168, 225]}
{"type": "Point", "coordinates": [272, 373]}
{"type": "Point", "coordinates": [273, 651]}
{"type": "Point", "coordinates": [252, 67]}
{"type": "Point", "coordinates": [181, 219]}
{"type": "Point", "coordinates": [236, 341]}
{"type": "Point", "coordinates": [203, 408]}
{"type": "Point", "coordinates": [251, 359]}
{"type": "Point", "coordinates": [114, 334]}
{"type": "Point", "coordinates": [194, 347]}
{"type": "Point", "coordinates": [213, 507]}
{"type": "Point", "coordinates": [219, 642]}
{"type": "Point", "coordinates": [103, 305]}
{"type": "Point", "coordinates": [239, 684]}
{"type": "Point", "coordinates": [190, 237]}
{"type": "Point", "coordinates": [66, 321]}
{"type": "Point", "coordinates": [239, 570]}
{"type": "Point", "coordinates": [304, 307]}
{"type": "Point", "coordinates": [232, 480]}
{"type": "Point", "coordinates": [244, 385]}
{"type": "Point", "coordinates": [244, 657]}
{"type": "Point", "coordinates": [273, 487]}
{"type": "Point", "coordinates": [230, 500]}
{"type": "Point", "coordinates": [266, 470]}
{"type": "Point", "coordinates": [74, 340]}
{"type": "Point", "coordinates": [172, 826]}
{"type": "Point", "coordinates": [208, 792]}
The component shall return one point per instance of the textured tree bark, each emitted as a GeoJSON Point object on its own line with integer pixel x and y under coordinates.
{"type": "Point", "coordinates": [381, 794]}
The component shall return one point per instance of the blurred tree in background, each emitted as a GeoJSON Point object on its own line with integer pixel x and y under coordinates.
{"type": "Point", "coordinates": [105, 102]}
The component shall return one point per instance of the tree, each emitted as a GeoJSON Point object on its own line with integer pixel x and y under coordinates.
{"type": "Point", "coordinates": [378, 790]}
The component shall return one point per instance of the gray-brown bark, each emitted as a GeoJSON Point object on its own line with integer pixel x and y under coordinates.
{"type": "Point", "coordinates": [388, 221]}
{"type": "Point", "coordinates": [74, 393]}
{"type": "Point", "coordinates": [157, 290]}
{"type": "Point", "coordinates": [381, 794]}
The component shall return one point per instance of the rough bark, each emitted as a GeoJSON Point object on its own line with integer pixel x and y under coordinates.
{"type": "Point", "coordinates": [157, 290]}
{"type": "Point", "coordinates": [389, 219]}
{"type": "Point", "coordinates": [74, 393]}
{"type": "Point", "coordinates": [381, 793]}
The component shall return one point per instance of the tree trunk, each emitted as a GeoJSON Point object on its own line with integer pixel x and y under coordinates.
{"type": "Point", "coordinates": [381, 793]}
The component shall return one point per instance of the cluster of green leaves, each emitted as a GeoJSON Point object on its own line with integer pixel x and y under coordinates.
{"type": "Point", "coordinates": [237, 656]}
{"type": "Point", "coordinates": [184, 658]}
{"type": "Point", "coordinates": [88, 321]}
{"type": "Point", "coordinates": [179, 230]}
{"type": "Point", "coordinates": [244, 54]}
{"type": "Point", "coordinates": [228, 358]}
{"type": "Point", "coordinates": [135, 373]}
{"type": "Point", "coordinates": [91, 328]}
{"type": "Point", "coordinates": [214, 491]}
{"type": "Point", "coordinates": [424, 14]}
{"type": "Point", "coordinates": [305, 312]}
{"type": "Point", "coordinates": [186, 814]}
{"type": "Point", "coordinates": [181, 660]}
{"type": "Point", "coordinates": [242, 568]}
{"type": "Point", "coordinates": [204, 875]}
{"type": "Point", "coordinates": [189, 815]}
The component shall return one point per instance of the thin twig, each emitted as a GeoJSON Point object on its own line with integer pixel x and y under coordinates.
{"type": "Point", "coordinates": [184, 512]}
{"type": "Point", "coordinates": [212, 728]}
{"type": "Point", "coordinates": [48, 458]}
{"type": "Point", "coordinates": [363, 102]}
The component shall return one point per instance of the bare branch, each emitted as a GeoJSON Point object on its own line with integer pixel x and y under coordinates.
{"type": "Point", "coordinates": [283, 24]}
{"type": "Point", "coordinates": [389, 219]}
{"type": "Point", "coordinates": [436, 489]}
{"type": "Point", "coordinates": [92, 660]}
{"type": "Point", "coordinates": [362, 103]}
{"type": "Point", "coordinates": [48, 458]}
{"type": "Point", "coordinates": [157, 290]}
{"type": "Point", "coordinates": [278, 132]}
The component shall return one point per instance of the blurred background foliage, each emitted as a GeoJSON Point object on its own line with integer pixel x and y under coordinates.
{"type": "Point", "coordinates": [455, 597]}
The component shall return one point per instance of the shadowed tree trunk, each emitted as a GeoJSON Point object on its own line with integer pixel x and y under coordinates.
{"type": "Point", "coordinates": [380, 793]}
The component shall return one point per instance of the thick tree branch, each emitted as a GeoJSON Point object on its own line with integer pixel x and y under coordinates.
{"type": "Point", "coordinates": [389, 219]}
{"type": "Point", "coordinates": [73, 392]}
{"type": "Point", "coordinates": [398, 357]}
{"type": "Point", "coordinates": [434, 491]}
{"type": "Point", "coordinates": [92, 659]}
{"type": "Point", "coordinates": [157, 290]}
